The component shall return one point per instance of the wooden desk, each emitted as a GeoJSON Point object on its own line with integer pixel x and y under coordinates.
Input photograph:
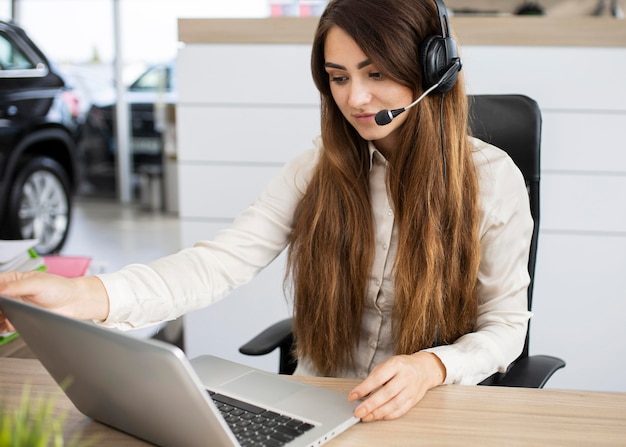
{"type": "Point", "coordinates": [448, 415]}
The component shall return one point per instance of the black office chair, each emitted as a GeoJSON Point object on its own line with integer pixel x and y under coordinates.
{"type": "Point", "coordinates": [513, 123]}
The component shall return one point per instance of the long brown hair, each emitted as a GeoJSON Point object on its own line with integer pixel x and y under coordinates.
{"type": "Point", "coordinates": [437, 215]}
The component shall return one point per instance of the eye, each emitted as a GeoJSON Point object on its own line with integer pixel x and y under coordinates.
{"type": "Point", "coordinates": [338, 79]}
{"type": "Point", "coordinates": [376, 75]}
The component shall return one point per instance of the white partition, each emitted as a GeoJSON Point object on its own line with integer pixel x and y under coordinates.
{"type": "Point", "coordinates": [580, 288]}
{"type": "Point", "coordinates": [255, 134]}
{"type": "Point", "coordinates": [245, 109]}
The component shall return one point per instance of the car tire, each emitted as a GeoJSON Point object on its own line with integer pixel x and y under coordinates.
{"type": "Point", "coordinates": [39, 205]}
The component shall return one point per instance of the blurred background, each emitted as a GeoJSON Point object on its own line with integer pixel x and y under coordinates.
{"type": "Point", "coordinates": [81, 31]}
{"type": "Point", "coordinates": [79, 37]}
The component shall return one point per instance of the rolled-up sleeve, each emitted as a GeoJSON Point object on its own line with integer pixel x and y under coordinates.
{"type": "Point", "coordinates": [505, 230]}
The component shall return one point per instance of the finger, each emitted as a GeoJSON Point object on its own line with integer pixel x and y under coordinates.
{"type": "Point", "coordinates": [391, 409]}
{"type": "Point", "coordinates": [7, 278]}
{"type": "Point", "coordinates": [377, 379]}
{"type": "Point", "coordinates": [13, 285]}
{"type": "Point", "coordinates": [380, 399]}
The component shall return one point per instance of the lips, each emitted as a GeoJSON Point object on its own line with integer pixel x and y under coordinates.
{"type": "Point", "coordinates": [364, 117]}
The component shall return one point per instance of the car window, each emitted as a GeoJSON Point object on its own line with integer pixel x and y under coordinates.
{"type": "Point", "coordinates": [11, 57]}
{"type": "Point", "coordinates": [153, 80]}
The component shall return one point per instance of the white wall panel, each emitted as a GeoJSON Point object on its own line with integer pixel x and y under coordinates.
{"type": "Point", "coordinates": [245, 74]}
{"type": "Point", "coordinates": [261, 134]}
{"type": "Point", "coordinates": [580, 291]}
{"type": "Point", "coordinates": [557, 78]}
{"type": "Point", "coordinates": [220, 191]}
{"type": "Point", "coordinates": [583, 141]}
{"type": "Point", "coordinates": [586, 203]}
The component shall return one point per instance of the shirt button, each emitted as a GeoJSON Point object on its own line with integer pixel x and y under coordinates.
{"type": "Point", "coordinates": [373, 344]}
{"type": "Point", "coordinates": [384, 246]}
{"type": "Point", "coordinates": [378, 282]}
{"type": "Point", "coordinates": [389, 212]}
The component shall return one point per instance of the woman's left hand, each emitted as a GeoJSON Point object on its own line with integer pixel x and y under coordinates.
{"type": "Point", "coordinates": [397, 385]}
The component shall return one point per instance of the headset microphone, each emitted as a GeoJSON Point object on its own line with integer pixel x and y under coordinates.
{"type": "Point", "coordinates": [386, 116]}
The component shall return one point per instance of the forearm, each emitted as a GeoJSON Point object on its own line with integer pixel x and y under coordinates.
{"type": "Point", "coordinates": [144, 295]}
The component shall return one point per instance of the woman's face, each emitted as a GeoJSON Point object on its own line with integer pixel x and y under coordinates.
{"type": "Point", "coordinates": [361, 91]}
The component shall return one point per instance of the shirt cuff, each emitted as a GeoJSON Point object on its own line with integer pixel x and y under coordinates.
{"type": "Point", "coordinates": [468, 361]}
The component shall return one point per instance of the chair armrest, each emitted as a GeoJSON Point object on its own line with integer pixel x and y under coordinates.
{"type": "Point", "coordinates": [276, 336]}
{"type": "Point", "coordinates": [531, 372]}
{"type": "Point", "coordinates": [279, 335]}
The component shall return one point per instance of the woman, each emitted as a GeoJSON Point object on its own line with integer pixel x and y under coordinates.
{"type": "Point", "coordinates": [408, 242]}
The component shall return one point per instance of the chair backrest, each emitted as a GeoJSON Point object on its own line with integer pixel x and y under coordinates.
{"type": "Point", "coordinates": [513, 123]}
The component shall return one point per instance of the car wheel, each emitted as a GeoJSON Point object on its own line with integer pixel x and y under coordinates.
{"type": "Point", "coordinates": [39, 205]}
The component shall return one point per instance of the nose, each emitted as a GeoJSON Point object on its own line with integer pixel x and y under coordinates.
{"type": "Point", "coordinates": [359, 94]}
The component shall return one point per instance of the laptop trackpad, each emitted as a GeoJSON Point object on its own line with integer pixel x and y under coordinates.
{"type": "Point", "coordinates": [261, 387]}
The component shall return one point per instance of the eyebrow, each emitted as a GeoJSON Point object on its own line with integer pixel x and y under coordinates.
{"type": "Point", "coordinates": [360, 65]}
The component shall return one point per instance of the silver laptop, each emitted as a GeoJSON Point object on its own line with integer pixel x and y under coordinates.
{"type": "Point", "coordinates": [150, 390]}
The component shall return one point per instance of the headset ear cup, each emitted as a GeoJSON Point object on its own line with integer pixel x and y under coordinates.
{"type": "Point", "coordinates": [446, 86]}
{"type": "Point", "coordinates": [435, 63]}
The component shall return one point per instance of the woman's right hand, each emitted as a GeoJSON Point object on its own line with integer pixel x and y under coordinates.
{"type": "Point", "coordinates": [83, 298]}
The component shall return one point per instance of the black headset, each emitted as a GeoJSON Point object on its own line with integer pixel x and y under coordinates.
{"type": "Point", "coordinates": [441, 64]}
{"type": "Point", "coordinates": [439, 56]}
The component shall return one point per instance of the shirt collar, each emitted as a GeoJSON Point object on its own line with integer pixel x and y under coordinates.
{"type": "Point", "coordinates": [375, 153]}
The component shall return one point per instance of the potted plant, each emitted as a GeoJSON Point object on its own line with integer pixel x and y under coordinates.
{"type": "Point", "coordinates": [35, 423]}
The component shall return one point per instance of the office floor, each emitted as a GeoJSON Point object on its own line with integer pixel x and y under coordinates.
{"type": "Point", "coordinates": [115, 234]}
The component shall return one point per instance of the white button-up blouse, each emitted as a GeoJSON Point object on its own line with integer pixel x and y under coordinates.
{"type": "Point", "coordinates": [141, 295]}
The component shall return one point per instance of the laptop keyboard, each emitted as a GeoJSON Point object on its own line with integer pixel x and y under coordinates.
{"type": "Point", "coordinates": [256, 426]}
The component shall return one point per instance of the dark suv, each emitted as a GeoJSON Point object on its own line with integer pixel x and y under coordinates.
{"type": "Point", "coordinates": [147, 98]}
{"type": "Point", "coordinates": [38, 152]}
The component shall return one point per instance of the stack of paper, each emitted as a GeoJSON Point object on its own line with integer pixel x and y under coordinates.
{"type": "Point", "coordinates": [20, 256]}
